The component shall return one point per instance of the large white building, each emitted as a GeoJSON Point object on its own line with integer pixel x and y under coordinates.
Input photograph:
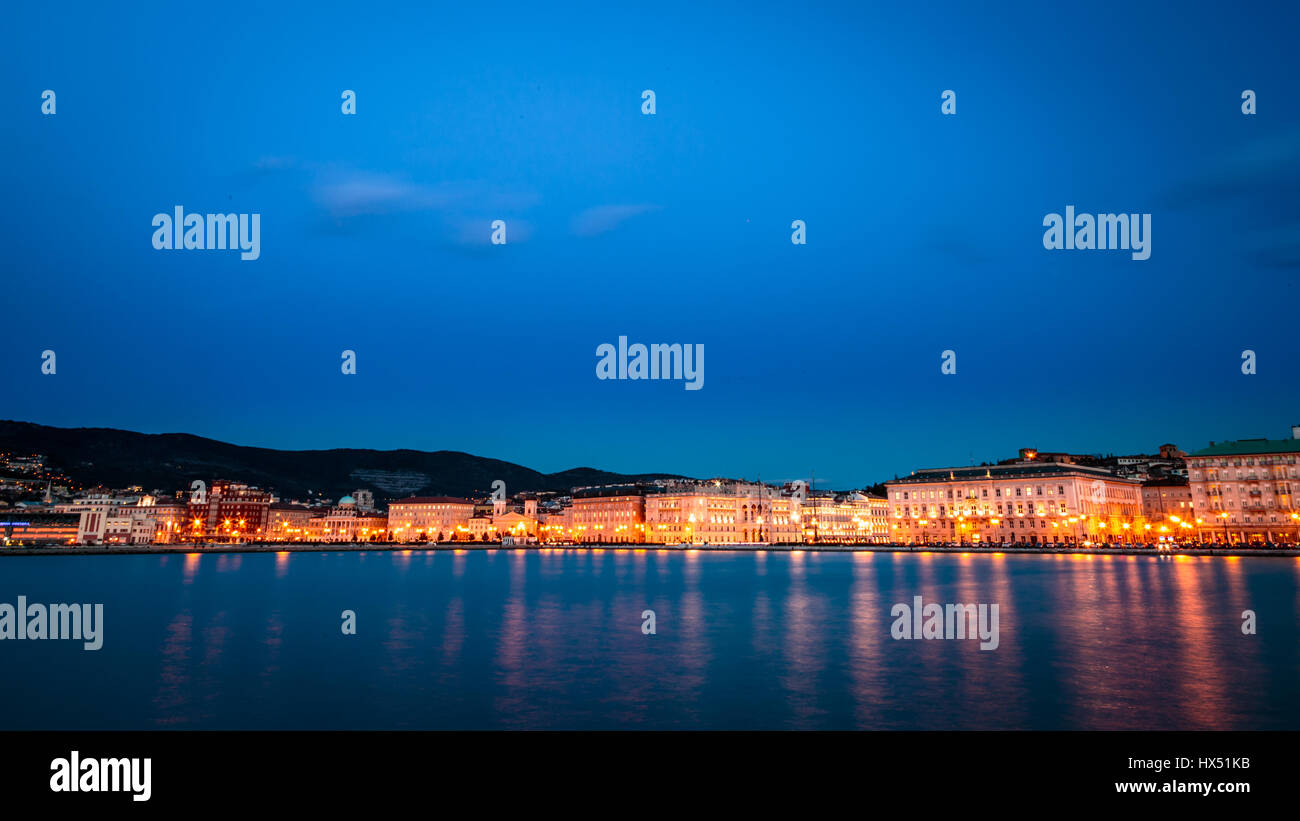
{"type": "Point", "coordinates": [1026, 501]}
{"type": "Point", "coordinates": [614, 515]}
{"type": "Point", "coordinates": [723, 512]}
{"type": "Point", "coordinates": [428, 518]}
{"type": "Point", "coordinates": [844, 518]}
{"type": "Point", "coordinates": [96, 511]}
{"type": "Point", "coordinates": [1245, 491]}
{"type": "Point", "coordinates": [712, 513]}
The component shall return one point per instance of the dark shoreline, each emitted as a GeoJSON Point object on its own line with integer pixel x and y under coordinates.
{"type": "Point", "coordinates": [384, 547]}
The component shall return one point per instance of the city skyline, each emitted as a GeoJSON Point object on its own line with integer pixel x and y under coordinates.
{"type": "Point", "coordinates": [1011, 452]}
{"type": "Point", "coordinates": [1234, 491]}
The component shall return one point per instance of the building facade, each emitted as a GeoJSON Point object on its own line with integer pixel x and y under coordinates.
{"type": "Point", "coordinates": [288, 522]}
{"type": "Point", "coordinates": [168, 518]}
{"type": "Point", "coordinates": [853, 518]}
{"type": "Point", "coordinates": [1167, 500]}
{"type": "Point", "coordinates": [1027, 501]}
{"type": "Point", "coordinates": [1244, 491]}
{"type": "Point", "coordinates": [25, 527]}
{"type": "Point", "coordinates": [342, 523]}
{"type": "Point", "coordinates": [428, 518]}
{"type": "Point", "coordinates": [228, 512]}
{"type": "Point", "coordinates": [608, 516]}
{"type": "Point", "coordinates": [95, 511]}
{"type": "Point", "coordinates": [129, 527]}
{"type": "Point", "coordinates": [708, 513]}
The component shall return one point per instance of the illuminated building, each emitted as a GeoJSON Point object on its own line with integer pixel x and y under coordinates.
{"type": "Point", "coordinates": [608, 516]}
{"type": "Point", "coordinates": [18, 528]}
{"type": "Point", "coordinates": [1162, 498]}
{"type": "Point", "coordinates": [345, 522]}
{"type": "Point", "coordinates": [706, 514]}
{"type": "Point", "coordinates": [288, 523]}
{"type": "Point", "coordinates": [168, 518]}
{"type": "Point", "coordinates": [844, 519]}
{"type": "Point", "coordinates": [129, 527]}
{"type": "Point", "coordinates": [720, 513]}
{"type": "Point", "coordinates": [95, 512]}
{"type": "Point", "coordinates": [556, 525]}
{"type": "Point", "coordinates": [1026, 501]}
{"type": "Point", "coordinates": [231, 511]}
{"type": "Point", "coordinates": [428, 518]}
{"type": "Point", "coordinates": [522, 527]}
{"type": "Point", "coordinates": [778, 520]}
{"type": "Point", "coordinates": [1244, 491]}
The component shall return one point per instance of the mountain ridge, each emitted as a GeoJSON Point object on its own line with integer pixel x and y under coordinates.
{"type": "Point", "coordinates": [170, 461]}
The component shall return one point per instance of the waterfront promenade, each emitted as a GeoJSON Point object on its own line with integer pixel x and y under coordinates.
{"type": "Point", "coordinates": [389, 547]}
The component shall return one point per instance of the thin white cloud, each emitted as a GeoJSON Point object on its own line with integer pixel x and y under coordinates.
{"type": "Point", "coordinates": [605, 218]}
{"type": "Point", "coordinates": [356, 194]}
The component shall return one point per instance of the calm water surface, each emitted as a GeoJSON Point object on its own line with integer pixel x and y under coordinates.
{"type": "Point", "coordinates": [552, 639]}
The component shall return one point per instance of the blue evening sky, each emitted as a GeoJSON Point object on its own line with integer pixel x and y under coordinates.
{"type": "Point", "coordinates": [924, 231]}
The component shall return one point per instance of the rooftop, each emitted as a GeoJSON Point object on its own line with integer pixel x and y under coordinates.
{"type": "Point", "coordinates": [1245, 447]}
{"type": "Point", "coordinates": [1027, 470]}
{"type": "Point", "coordinates": [431, 500]}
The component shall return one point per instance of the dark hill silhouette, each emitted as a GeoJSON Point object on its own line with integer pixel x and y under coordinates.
{"type": "Point", "coordinates": [170, 461]}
